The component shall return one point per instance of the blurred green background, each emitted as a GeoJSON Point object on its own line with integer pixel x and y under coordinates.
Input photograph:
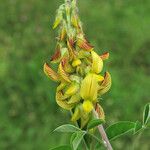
{"type": "Point", "coordinates": [28, 112]}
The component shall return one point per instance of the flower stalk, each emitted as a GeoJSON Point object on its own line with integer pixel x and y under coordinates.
{"type": "Point", "coordinates": [103, 133]}
{"type": "Point", "coordinates": [79, 73]}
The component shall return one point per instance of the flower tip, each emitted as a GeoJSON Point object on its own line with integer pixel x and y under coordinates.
{"type": "Point", "coordinates": [87, 106]}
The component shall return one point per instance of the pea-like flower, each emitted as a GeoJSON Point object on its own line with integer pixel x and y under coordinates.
{"type": "Point", "coordinates": [79, 72]}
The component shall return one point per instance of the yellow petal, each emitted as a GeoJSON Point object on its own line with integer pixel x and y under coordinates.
{"type": "Point", "coordinates": [74, 20]}
{"type": "Point", "coordinates": [76, 115]}
{"type": "Point", "coordinates": [57, 22]}
{"type": "Point", "coordinates": [76, 62]}
{"type": "Point", "coordinates": [106, 84]}
{"type": "Point", "coordinates": [61, 86]}
{"type": "Point", "coordinates": [97, 63]}
{"type": "Point", "coordinates": [87, 106]}
{"type": "Point", "coordinates": [50, 73]}
{"type": "Point", "coordinates": [61, 103]}
{"type": "Point", "coordinates": [72, 89]}
{"type": "Point", "coordinates": [74, 99]}
{"type": "Point", "coordinates": [89, 87]}
{"type": "Point", "coordinates": [99, 77]}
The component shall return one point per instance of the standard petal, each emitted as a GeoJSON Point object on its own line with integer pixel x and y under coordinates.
{"type": "Point", "coordinates": [89, 87]}
{"type": "Point", "coordinates": [97, 63]}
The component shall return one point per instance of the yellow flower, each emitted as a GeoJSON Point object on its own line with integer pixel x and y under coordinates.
{"type": "Point", "coordinates": [97, 63]}
{"type": "Point", "coordinates": [87, 106]}
{"type": "Point", "coordinates": [89, 87]}
{"type": "Point", "coordinates": [76, 62]}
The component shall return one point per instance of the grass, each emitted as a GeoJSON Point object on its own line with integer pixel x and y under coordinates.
{"type": "Point", "coordinates": [28, 112]}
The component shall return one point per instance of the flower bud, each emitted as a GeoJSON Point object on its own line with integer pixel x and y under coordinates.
{"type": "Point", "coordinates": [97, 63]}
{"type": "Point", "coordinates": [76, 115]}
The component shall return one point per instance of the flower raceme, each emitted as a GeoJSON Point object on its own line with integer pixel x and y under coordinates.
{"type": "Point", "coordinates": [79, 72]}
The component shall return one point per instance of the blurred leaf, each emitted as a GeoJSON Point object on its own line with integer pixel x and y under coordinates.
{"type": "Point", "coordinates": [62, 148]}
{"type": "Point", "coordinates": [95, 122]}
{"type": "Point", "coordinates": [146, 114]}
{"type": "Point", "coordinates": [118, 129]}
{"type": "Point", "coordinates": [138, 127]}
{"type": "Point", "coordinates": [76, 139]}
{"type": "Point", "coordinates": [99, 146]}
{"type": "Point", "coordinates": [67, 128]}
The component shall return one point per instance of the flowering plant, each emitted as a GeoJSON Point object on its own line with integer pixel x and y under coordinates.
{"type": "Point", "coordinates": [81, 82]}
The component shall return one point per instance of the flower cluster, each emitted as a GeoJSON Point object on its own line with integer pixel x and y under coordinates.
{"type": "Point", "coordinates": [79, 77]}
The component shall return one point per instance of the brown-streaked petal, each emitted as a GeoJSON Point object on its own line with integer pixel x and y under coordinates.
{"type": "Point", "coordinates": [50, 73]}
{"type": "Point", "coordinates": [62, 73]}
{"type": "Point", "coordinates": [70, 49]}
{"type": "Point", "coordinates": [100, 111]}
{"type": "Point", "coordinates": [104, 56]}
{"type": "Point", "coordinates": [106, 84]}
{"type": "Point", "coordinates": [56, 57]}
{"type": "Point", "coordinates": [84, 44]}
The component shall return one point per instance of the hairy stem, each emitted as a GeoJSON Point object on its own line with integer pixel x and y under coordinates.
{"type": "Point", "coordinates": [103, 134]}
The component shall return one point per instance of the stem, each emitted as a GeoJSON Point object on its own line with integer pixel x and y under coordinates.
{"type": "Point", "coordinates": [103, 134]}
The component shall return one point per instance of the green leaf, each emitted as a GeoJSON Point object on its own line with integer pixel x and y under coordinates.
{"type": "Point", "coordinates": [120, 128]}
{"type": "Point", "coordinates": [76, 139]}
{"type": "Point", "coordinates": [65, 147]}
{"type": "Point", "coordinates": [138, 127]}
{"type": "Point", "coordinates": [95, 122]}
{"type": "Point", "coordinates": [146, 114]}
{"type": "Point", "coordinates": [68, 128]}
